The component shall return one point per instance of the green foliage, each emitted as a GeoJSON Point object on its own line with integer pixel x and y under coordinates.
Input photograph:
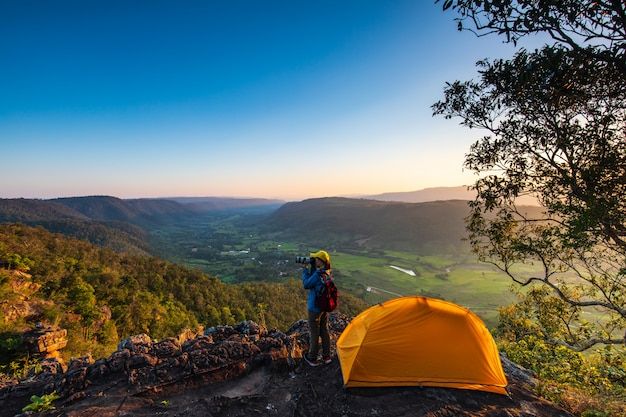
{"type": "Point", "coordinates": [212, 316]}
{"type": "Point", "coordinates": [19, 263]}
{"type": "Point", "coordinates": [10, 342]}
{"type": "Point", "coordinates": [595, 413]}
{"type": "Point", "coordinates": [43, 403]}
{"type": "Point", "coordinates": [227, 317]}
{"type": "Point", "coordinates": [14, 359]}
{"type": "Point", "coordinates": [261, 314]}
{"type": "Point", "coordinates": [82, 300]}
{"type": "Point", "coordinates": [5, 287]}
{"type": "Point", "coordinates": [564, 373]}
{"type": "Point", "coordinates": [19, 367]}
{"type": "Point", "coordinates": [574, 23]}
{"type": "Point", "coordinates": [143, 295]}
{"type": "Point", "coordinates": [556, 122]}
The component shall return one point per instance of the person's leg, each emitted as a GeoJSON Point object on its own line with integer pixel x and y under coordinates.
{"type": "Point", "coordinates": [325, 335]}
{"type": "Point", "coordinates": [314, 334]}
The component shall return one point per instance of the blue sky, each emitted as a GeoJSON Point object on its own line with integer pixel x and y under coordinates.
{"type": "Point", "coordinates": [243, 98]}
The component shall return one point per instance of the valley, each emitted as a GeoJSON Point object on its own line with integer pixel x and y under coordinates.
{"type": "Point", "coordinates": [103, 269]}
{"type": "Point", "coordinates": [372, 243]}
{"type": "Point", "coordinates": [236, 247]}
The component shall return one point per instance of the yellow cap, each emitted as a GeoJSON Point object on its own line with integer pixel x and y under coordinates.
{"type": "Point", "coordinates": [323, 255]}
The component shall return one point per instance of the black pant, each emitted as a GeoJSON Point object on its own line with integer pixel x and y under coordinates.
{"type": "Point", "coordinates": [318, 327]}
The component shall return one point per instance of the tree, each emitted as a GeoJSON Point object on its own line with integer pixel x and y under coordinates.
{"type": "Point", "coordinates": [227, 316]}
{"type": "Point", "coordinates": [19, 263]}
{"type": "Point", "coordinates": [82, 301]}
{"type": "Point", "coordinates": [596, 29]}
{"type": "Point", "coordinates": [556, 123]}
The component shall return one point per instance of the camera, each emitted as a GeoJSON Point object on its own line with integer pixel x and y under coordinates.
{"type": "Point", "coordinates": [304, 260]}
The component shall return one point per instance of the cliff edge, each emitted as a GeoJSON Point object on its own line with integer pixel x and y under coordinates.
{"type": "Point", "coordinates": [246, 370]}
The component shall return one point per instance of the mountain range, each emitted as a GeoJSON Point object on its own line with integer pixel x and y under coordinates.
{"type": "Point", "coordinates": [416, 220]}
{"type": "Point", "coordinates": [462, 192]}
{"type": "Point", "coordinates": [147, 211]}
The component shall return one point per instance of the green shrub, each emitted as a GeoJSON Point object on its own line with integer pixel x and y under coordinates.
{"type": "Point", "coordinates": [43, 403]}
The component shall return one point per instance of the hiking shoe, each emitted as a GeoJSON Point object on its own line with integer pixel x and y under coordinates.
{"type": "Point", "coordinates": [311, 362]}
{"type": "Point", "coordinates": [327, 360]}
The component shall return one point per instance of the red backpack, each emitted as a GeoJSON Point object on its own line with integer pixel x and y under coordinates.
{"type": "Point", "coordinates": [326, 299]}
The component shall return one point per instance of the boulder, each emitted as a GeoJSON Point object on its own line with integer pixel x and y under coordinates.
{"type": "Point", "coordinates": [45, 340]}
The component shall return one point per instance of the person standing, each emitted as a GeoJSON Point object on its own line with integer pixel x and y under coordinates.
{"type": "Point", "coordinates": [317, 319]}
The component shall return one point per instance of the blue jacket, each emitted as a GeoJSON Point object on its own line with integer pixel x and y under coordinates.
{"type": "Point", "coordinates": [313, 282]}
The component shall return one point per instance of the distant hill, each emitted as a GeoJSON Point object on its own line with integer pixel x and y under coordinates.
{"type": "Point", "coordinates": [204, 204]}
{"type": "Point", "coordinates": [437, 194]}
{"type": "Point", "coordinates": [374, 224]}
{"type": "Point", "coordinates": [27, 210]}
{"type": "Point", "coordinates": [104, 221]}
{"type": "Point", "coordinates": [425, 195]}
{"type": "Point", "coordinates": [378, 223]}
{"type": "Point", "coordinates": [110, 221]}
{"type": "Point", "coordinates": [122, 225]}
{"type": "Point", "coordinates": [57, 217]}
{"type": "Point", "coordinates": [141, 212]}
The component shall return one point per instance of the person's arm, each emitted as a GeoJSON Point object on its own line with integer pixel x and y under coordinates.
{"type": "Point", "coordinates": [309, 280]}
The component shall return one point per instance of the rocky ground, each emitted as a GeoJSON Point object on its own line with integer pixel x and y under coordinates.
{"type": "Point", "coordinates": [247, 370]}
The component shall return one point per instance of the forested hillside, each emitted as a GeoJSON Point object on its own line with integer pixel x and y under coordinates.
{"type": "Point", "coordinates": [79, 218]}
{"type": "Point", "coordinates": [122, 225]}
{"type": "Point", "coordinates": [374, 224]}
{"type": "Point", "coordinates": [141, 212]}
{"type": "Point", "coordinates": [23, 210]}
{"type": "Point", "coordinates": [101, 296]}
{"type": "Point", "coordinates": [127, 225]}
{"type": "Point", "coordinates": [101, 281]}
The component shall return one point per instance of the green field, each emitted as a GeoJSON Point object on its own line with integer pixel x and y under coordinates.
{"type": "Point", "coordinates": [463, 281]}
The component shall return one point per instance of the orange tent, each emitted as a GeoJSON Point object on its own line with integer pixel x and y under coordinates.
{"type": "Point", "coordinates": [420, 341]}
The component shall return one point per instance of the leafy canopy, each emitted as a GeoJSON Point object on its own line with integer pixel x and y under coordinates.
{"type": "Point", "coordinates": [556, 123]}
{"type": "Point", "coordinates": [594, 28]}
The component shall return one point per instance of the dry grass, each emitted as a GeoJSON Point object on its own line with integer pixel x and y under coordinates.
{"type": "Point", "coordinates": [585, 405]}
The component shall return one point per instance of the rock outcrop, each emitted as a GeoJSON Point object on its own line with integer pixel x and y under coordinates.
{"type": "Point", "coordinates": [246, 370]}
{"type": "Point", "coordinates": [45, 340]}
{"type": "Point", "coordinates": [17, 304]}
